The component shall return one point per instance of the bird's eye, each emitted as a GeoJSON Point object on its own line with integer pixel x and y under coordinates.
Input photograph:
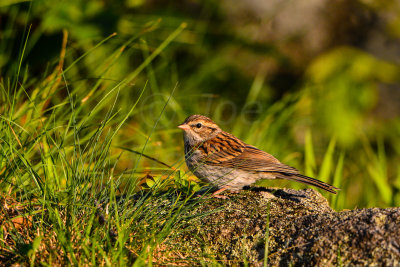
{"type": "Point", "coordinates": [199, 125]}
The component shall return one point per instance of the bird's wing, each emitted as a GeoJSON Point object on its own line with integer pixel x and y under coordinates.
{"type": "Point", "coordinates": [221, 149]}
{"type": "Point", "coordinates": [254, 159]}
{"type": "Point", "coordinates": [236, 154]}
{"type": "Point", "coordinates": [227, 151]}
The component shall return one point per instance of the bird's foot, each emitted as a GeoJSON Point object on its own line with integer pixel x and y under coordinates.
{"type": "Point", "coordinates": [220, 196]}
{"type": "Point", "coordinates": [216, 194]}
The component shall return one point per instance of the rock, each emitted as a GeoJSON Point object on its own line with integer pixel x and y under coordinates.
{"type": "Point", "coordinates": [302, 230]}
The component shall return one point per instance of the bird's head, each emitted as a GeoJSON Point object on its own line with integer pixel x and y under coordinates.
{"type": "Point", "coordinates": [198, 129]}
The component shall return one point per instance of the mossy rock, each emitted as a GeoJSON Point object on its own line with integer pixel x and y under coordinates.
{"type": "Point", "coordinates": [303, 230]}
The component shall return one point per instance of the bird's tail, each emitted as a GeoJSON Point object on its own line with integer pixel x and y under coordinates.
{"type": "Point", "coordinates": [308, 180]}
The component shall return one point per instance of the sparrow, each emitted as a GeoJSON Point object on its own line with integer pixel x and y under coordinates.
{"type": "Point", "coordinates": [225, 161]}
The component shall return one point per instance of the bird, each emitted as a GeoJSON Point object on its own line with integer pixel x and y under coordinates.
{"type": "Point", "coordinates": [226, 162]}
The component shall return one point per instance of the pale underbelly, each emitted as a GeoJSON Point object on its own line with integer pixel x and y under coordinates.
{"type": "Point", "coordinates": [230, 178]}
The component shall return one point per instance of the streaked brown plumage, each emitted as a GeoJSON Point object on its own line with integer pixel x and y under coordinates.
{"type": "Point", "coordinates": [219, 158]}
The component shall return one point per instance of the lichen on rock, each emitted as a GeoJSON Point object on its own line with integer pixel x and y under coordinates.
{"type": "Point", "coordinates": [302, 230]}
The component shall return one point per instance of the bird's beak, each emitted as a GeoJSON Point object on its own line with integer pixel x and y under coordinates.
{"type": "Point", "coordinates": [184, 126]}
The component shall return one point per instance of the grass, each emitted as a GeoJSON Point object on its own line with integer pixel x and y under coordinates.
{"type": "Point", "coordinates": [60, 177]}
{"type": "Point", "coordinates": [63, 176]}
{"type": "Point", "coordinates": [92, 169]}
{"type": "Point", "coordinates": [266, 245]}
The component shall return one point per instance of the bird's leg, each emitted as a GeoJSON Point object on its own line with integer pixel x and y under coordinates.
{"type": "Point", "coordinates": [216, 193]}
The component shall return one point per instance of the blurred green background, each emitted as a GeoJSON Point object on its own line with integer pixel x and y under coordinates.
{"type": "Point", "coordinates": [315, 83]}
